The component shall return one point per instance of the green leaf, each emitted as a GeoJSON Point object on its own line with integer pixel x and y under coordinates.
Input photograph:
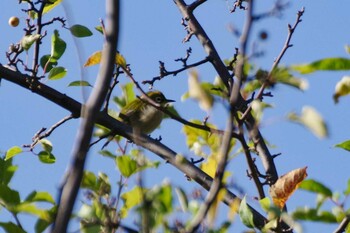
{"type": "Point", "coordinates": [126, 165]}
{"type": "Point", "coordinates": [47, 62]}
{"type": "Point", "coordinates": [309, 214]}
{"type": "Point", "coordinates": [128, 95]}
{"type": "Point", "coordinates": [108, 154]}
{"type": "Point", "coordinates": [78, 30]}
{"type": "Point", "coordinates": [312, 120]}
{"type": "Point", "coordinates": [15, 150]}
{"type": "Point", "coordinates": [42, 224]}
{"type": "Point", "coordinates": [316, 187]}
{"type": "Point", "coordinates": [79, 84]}
{"type": "Point", "coordinates": [8, 196]}
{"type": "Point", "coordinates": [181, 195]}
{"type": "Point", "coordinates": [28, 41]}
{"type": "Point", "coordinates": [131, 199]}
{"type": "Point", "coordinates": [347, 191]}
{"type": "Point", "coordinates": [103, 184]}
{"type": "Point", "coordinates": [7, 170]}
{"type": "Point", "coordinates": [246, 214]}
{"type": "Point", "coordinates": [332, 64]}
{"type": "Point", "coordinates": [344, 145]}
{"type": "Point", "coordinates": [283, 75]}
{"type": "Point", "coordinates": [46, 157]}
{"type": "Point", "coordinates": [40, 197]}
{"type": "Point", "coordinates": [32, 209]}
{"type": "Point", "coordinates": [51, 4]}
{"type": "Point", "coordinates": [58, 46]}
{"type": "Point", "coordinates": [46, 145]}
{"type": "Point", "coordinates": [11, 227]}
{"type": "Point", "coordinates": [89, 180]}
{"type": "Point", "coordinates": [265, 204]}
{"type": "Point", "coordinates": [99, 29]}
{"type": "Point", "coordinates": [57, 73]}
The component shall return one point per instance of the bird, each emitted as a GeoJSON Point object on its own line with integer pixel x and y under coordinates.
{"type": "Point", "coordinates": [142, 116]}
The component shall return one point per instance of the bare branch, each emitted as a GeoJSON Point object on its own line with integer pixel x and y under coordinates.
{"type": "Point", "coordinates": [90, 115]}
{"type": "Point", "coordinates": [164, 72]}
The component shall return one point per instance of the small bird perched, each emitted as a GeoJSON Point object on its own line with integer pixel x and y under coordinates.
{"type": "Point", "coordinates": [142, 116]}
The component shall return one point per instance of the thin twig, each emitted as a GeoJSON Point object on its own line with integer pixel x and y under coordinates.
{"type": "Point", "coordinates": [40, 134]}
{"type": "Point", "coordinates": [164, 72]}
{"type": "Point", "coordinates": [286, 46]}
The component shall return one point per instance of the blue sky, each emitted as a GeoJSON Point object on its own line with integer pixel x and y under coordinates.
{"type": "Point", "coordinates": [150, 32]}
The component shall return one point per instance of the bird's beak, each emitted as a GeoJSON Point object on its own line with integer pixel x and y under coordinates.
{"type": "Point", "coordinates": [169, 101]}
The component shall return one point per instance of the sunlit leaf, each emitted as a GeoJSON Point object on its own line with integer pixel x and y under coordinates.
{"type": "Point", "coordinates": [332, 64]}
{"type": "Point", "coordinates": [342, 88]}
{"type": "Point", "coordinates": [99, 29]}
{"type": "Point", "coordinates": [78, 30]}
{"type": "Point", "coordinates": [46, 145]}
{"type": "Point", "coordinates": [28, 41]}
{"type": "Point", "coordinates": [40, 197]}
{"type": "Point", "coordinates": [246, 214]}
{"type": "Point", "coordinates": [79, 84]}
{"type": "Point", "coordinates": [126, 165]}
{"type": "Point", "coordinates": [316, 187]}
{"type": "Point", "coordinates": [347, 191]}
{"type": "Point", "coordinates": [128, 95]}
{"type": "Point", "coordinates": [282, 75]}
{"type": "Point", "coordinates": [265, 204]}
{"type": "Point", "coordinates": [46, 157]}
{"type": "Point", "coordinates": [210, 166]}
{"type": "Point", "coordinates": [108, 154]}
{"type": "Point", "coordinates": [48, 7]}
{"type": "Point", "coordinates": [197, 92]}
{"type": "Point", "coordinates": [182, 197]}
{"type": "Point", "coordinates": [95, 59]}
{"type": "Point", "coordinates": [89, 180]}
{"type": "Point", "coordinates": [344, 145]}
{"type": "Point", "coordinates": [15, 150]}
{"type": "Point", "coordinates": [58, 46]}
{"type": "Point", "coordinates": [57, 73]}
{"type": "Point", "coordinates": [7, 170]}
{"type": "Point", "coordinates": [286, 185]}
{"type": "Point", "coordinates": [32, 209]}
{"type": "Point", "coordinates": [315, 215]}
{"type": "Point", "coordinates": [120, 60]}
{"type": "Point", "coordinates": [11, 227]}
{"type": "Point", "coordinates": [131, 199]}
{"type": "Point", "coordinates": [312, 120]}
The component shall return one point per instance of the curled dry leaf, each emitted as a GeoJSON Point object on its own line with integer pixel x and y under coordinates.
{"type": "Point", "coordinates": [286, 185]}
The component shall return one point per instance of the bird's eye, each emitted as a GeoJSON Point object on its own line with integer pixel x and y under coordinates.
{"type": "Point", "coordinates": [159, 99]}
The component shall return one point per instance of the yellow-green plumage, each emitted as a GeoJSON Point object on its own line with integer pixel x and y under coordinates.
{"type": "Point", "coordinates": [144, 117]}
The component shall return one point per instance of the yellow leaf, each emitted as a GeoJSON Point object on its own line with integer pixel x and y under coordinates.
{"type": "Point", "coordinates": [286, 185]}
{"type": "Point", "coordinates": [120, 60]}
{"type": "Point", "coordinates": [95, 59]}
{"type": "Point", "coordinates": [209, 166]}
{"type": "Point", "coordinates": [197, 92]}
{"type": "Point", "coordinates": [213, 210]}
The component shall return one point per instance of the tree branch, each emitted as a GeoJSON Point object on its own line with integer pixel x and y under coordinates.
{"type": "Point", "coordinates": [254, 133]}
{"type": "Point", "coordinates": [73, 106]}
{"type": "Point", "coordinates": [90, 114]}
